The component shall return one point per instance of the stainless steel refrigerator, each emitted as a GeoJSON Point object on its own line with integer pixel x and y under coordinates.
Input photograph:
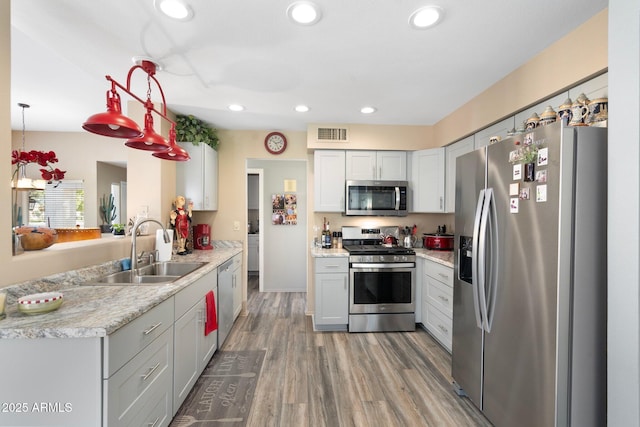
{"type": "Point", "coordinates": [529, 311]}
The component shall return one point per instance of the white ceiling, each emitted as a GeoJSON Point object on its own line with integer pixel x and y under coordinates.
{"type": "Point", "coordinates": [362, 52]}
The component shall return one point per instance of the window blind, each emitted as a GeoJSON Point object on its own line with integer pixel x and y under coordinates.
{"type": "Point", "coordinates": [64, 204]}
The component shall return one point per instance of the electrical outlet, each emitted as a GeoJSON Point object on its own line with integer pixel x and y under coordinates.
{"type": "Point", "coordinates": [236, 225]}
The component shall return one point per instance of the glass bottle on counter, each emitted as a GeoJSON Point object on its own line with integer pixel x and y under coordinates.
{"type": "Point", "coordinates": [334, 241]}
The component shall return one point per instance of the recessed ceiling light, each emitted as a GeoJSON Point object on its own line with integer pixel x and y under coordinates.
{"type": "Point", "coordinates": [174, 9]}
{"type": "Point", "coordinates": [368, 110]}
{"type": "Point", "coordinates": [304, 12]}
{"type": "Point", "coordinates": [426, 17]}
{"type": "Point", "coordinates": [236, 107]}
{"type": "Point", "coordinates": [301, 108]}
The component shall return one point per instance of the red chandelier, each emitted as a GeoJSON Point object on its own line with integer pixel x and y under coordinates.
{"type": "Point", "coordinates": [114, 124]}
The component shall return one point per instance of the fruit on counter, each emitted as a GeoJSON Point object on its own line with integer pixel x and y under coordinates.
{"type": "Point", "coordinates": [36, 238]}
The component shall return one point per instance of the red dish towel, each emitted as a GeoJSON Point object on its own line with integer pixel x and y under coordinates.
{"type": "Point", "coordinates": [211, 323]}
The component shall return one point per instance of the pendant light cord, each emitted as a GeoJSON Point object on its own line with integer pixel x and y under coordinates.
{"type": "Point", "coordinates": [23, 106]}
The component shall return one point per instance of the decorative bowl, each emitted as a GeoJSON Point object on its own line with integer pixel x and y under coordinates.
{"type": "Point", "coordinates": [36, 238]}
{"type": "Point", "coordinates": [40, 303]}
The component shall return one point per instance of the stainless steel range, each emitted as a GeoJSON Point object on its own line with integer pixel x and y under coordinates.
{"type": "Point", "coordinates": [381, 282]}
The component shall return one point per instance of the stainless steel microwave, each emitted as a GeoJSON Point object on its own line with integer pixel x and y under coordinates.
{"type": "Point", "coordinates": [376, 198]}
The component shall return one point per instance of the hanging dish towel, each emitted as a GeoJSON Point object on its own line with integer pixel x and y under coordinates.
{"type": "Point", "coordinates": [212, 319]}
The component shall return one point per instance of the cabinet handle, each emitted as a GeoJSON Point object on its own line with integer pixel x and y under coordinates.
{"type": "Point", "coordinates": [331, 266]}
{"type": "Point", "coordinates": [153, 424]}
{"type": "Point", "coordinates": [440, 202]}
{"type": "Point", "coordinates": [443, 329]}
{"type": "Point", "coordinates": [446, 276]}
{"type": "Point", "coordinates": [445, 299]}
{"type": "Point", "coordinates": [151, 329]}
{"type": "Point", "coordinates": [151, 371]}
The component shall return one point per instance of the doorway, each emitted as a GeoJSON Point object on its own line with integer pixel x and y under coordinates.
{"type": "Point", "coordinates": [255, 199]}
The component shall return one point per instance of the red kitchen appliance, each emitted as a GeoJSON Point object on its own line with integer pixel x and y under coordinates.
{"type": "Point", "coordinates": [439, 241]}
{"type": "Point", "coordinates": [202, 237]}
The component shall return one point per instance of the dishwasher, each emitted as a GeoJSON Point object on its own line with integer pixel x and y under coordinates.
{"type": "Point", "coordinates": [225, 301]}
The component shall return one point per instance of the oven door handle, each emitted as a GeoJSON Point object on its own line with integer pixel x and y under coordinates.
{"type": "Point", "coordinates": [384, 265]}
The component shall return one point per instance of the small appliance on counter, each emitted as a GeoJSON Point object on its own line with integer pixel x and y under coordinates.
{"type": "Point", "coordinates": [439, 241]}
{"type": "Point", "coordinates": [202, 237]}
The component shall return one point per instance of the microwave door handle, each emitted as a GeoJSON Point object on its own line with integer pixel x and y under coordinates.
{"type": "Point", "coordinates": [397, 198]}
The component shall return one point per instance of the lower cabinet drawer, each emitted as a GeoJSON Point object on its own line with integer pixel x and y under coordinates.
{"type": "Point", "coordinates": [142, 389]}
{"type": "Point", "coordinates": [127, 341]}
{"type": "Point", "coordinates": [440, 295]}
{"type": "Point", "coordinates": [438, 324]}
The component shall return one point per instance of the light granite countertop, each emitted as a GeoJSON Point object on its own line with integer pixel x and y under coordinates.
{"type": "Point", "coordinates": [97, 311]}
{"type": "Point", "coordinates": [441, 257]}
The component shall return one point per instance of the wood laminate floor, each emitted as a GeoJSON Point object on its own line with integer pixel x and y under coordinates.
{"type": "Point", "coordinates": [340, 379]}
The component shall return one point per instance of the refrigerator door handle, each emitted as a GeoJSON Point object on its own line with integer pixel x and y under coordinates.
{"type": "Point", "coordinates": [492, 264]}
{"type": "Point", "coordinates": [482, 259]}
{"type": "Point", "coordinates": [477, 281]}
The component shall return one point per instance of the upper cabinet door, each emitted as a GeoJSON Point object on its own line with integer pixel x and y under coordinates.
{"type": "Point", "coordinates": [361, 165]}
{"type": "Point", "coordinates": [427, 180]}
{"type": "Point", "coordinates": [452, 152]}
{"type": "Point", "coordinates": [392, 165]}
{"type": "Point", "coordinates": [197, 179]}
{"type": "Point", "coordinates": [372, 165]}
{"type": "Point", "coordinates": [329, 180]}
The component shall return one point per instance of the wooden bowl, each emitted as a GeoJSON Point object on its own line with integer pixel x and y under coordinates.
{"type": "Point", "coordinates": [36, 238]}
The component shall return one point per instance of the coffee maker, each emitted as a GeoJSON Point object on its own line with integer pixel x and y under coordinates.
{"type": "Point", "coordinates": [202, 237]}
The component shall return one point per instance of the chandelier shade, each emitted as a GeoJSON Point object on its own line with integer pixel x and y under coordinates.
{"type": "Point", "coordinates": [112, 122]}
{"type": "Point", "coordinates": [149, 140]}
{"type": "Point", "coordinates": [175, 153]}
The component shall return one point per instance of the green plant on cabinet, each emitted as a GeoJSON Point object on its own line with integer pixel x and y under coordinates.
{"type": "Point", "coordinates": [194, 130]}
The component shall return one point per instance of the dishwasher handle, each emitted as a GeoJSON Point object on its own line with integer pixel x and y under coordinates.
{"type": "Point", "coordinates": [225, 266]}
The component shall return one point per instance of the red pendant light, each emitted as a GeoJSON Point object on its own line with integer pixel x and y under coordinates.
{"type": "Point", "coordinates": [112, 123]}
{"type": "Point", "coordinates": [150, 140]}
{"type": "Point", "coordinates": [175, 153]}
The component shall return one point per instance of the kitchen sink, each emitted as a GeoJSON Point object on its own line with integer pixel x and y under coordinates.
{"type": "Point", "coordinates": [151, 274]}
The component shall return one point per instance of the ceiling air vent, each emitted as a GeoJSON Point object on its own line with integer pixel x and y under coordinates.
{"type": "Point", "coordinates": [335, 134]}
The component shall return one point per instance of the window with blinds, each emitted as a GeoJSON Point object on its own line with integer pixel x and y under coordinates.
{"type": "Point", "coordinates": [58, 206]}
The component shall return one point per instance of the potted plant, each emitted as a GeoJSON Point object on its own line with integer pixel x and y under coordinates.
{"type": "Point", "coordinates": [107, 212]}
{"type": "Point", "coordinates": [118, 229]}
{"type": "Point", "coordinates": [193, 130]}
{"type": "Point", "coordinates": [529, 157]}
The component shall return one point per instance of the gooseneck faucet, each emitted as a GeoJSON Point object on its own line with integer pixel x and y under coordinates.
{"type": "Point", "coordinates": [134, 233]}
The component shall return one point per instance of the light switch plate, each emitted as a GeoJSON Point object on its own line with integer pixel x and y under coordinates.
{"type": "Point", "coordinates": [236, 225]}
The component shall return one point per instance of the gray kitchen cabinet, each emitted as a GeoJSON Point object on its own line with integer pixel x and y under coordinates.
{"type": "Point", "coordinates": [71, 374]}
{"type": "Point", "coordinates": [372, 165]}
{"type": "Point", "coordinates": [197, 179]}
{"type": "Point", "coordinates": [140, 393]}
{"type": "Point", "coordinates": [452, 152]}
{"type": "Point", "coordinates": [427, 180]}
{"type": "Point", "coordinates": [253, 253]}
{"type": "Point", "coordinates": [437, 302]}
{"type": "Point", "coordinates": [192, 349]}
{"type": "Point", "coordinates": [138, 370]}
{"type": "Point", "coordinates": [331, 293]}
{"type": "Point", "coordinates": [329, 180]}
{"type": "Point", "coordinates": [237, 285]}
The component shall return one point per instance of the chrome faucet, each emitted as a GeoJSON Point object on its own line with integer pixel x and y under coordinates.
{"type": "Point", "coordinates": [134, 233]}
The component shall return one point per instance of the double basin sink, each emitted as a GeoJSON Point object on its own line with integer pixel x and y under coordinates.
{"type": "Point", "coordinates": [150, 274]}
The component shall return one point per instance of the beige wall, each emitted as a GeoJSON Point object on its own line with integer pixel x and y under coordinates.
{"type": "Point", "coordinates": [5, 132]}
{"type": "Point", "coordinates": [379, 137]}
